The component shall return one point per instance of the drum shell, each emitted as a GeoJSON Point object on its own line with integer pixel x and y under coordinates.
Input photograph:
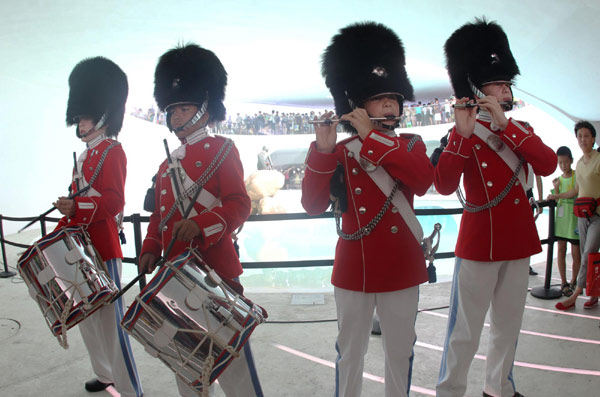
{"type": "Point", "coordinates": [53, 281]}
{"type": "Point", "coordinates": [220, 327]}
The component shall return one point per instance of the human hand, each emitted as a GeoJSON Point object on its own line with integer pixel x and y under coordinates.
{"type": "Point", "coordinates": [65, 206]}
{"type": "Point", "coordinates": [148, 263]}
{"type": "Point", "coordinates": [492, 106]}
{"type": "Point", "coordinates": [326, 134]}
{"type": "Point", "coordinates": [359, 118]}
{"type": "Point", "coordinates": [465, 118]}
{"type": "Point", "coordinates": [186, 230]}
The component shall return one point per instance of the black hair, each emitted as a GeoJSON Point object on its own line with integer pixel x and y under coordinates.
{"type": "Point", "coordinates": [585, 124]}
{"type": "Point", "coordinates": [564, 151]}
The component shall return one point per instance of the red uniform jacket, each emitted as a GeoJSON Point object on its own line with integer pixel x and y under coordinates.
{"type": "Point", "coordinates": [506, 231]}
{"type": "Point", "coordinates": [389, 258]}
{"type": "Point", "coordinates": [97, 208]}
{"type": "Point", "coordinates": [216, 223]}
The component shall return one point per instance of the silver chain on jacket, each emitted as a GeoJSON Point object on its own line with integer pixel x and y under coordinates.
{"type": "Point", "coordinates": [99, 166]}
{"type": "Point", "coordinates": [367, 229]}
{"type": "Point", "coordinates": [469, 207]}
{"type": "Point", "coordinates": [200, 182]}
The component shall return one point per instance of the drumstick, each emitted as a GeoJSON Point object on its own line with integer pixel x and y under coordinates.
{"type": "Point", "coordinates": [161, 261]}
{"type": "Point", "coordinates": [77, 193]}
{"type": "Point", "coordinates": [53, 208]}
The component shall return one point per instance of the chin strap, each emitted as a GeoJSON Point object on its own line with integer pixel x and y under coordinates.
{"type": "Point", "coordinates": [201, 111]}
{"type": "Point", "coordinates": [505, 106]}
{"type": "Point", "coordinates": [95, 128]}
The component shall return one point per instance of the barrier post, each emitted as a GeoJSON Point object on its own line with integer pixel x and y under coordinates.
{"type": "Point", "coordinates": [43, 225]}
{"type": "Point", "coordinates": [547, 292]}
{"type": "Point", "coordinates": [137, 236]}
{"type": "Point", "coordinates": [6, 273]}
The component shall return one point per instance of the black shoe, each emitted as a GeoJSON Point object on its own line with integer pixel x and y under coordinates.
{"type": "Point", "coordinates": [517, 394]}
{"type": "Point", "coordinates": [532, 273]}
{"type": "Point", "coordinates": [95, 385]}
{"type": "Point", "coordinates": [376, 329]}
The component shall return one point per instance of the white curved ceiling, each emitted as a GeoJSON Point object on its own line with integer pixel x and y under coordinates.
{"type": "Point", "coordinates": [271, 49]}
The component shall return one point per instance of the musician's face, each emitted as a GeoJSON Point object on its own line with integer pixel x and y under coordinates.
{"type": "Point", "coordinates": [383, 106]}
{"type": "Point", "coordinates": [85, 124]}
{"type": "Point", "coordinates": [181, 114]}
{"type": "Point", "coordinates": [499, 90]}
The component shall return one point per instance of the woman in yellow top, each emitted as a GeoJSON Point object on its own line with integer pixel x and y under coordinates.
{"type": "Point", "coordinates": [588, 185]}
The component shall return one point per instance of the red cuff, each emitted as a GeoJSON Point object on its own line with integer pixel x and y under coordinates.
{"type": "Point", "coordinates": [212, 228]}
{"type": "Point", "coordinates": [459, 145]}
{"type": "Point", "coordinates": [320, 163]}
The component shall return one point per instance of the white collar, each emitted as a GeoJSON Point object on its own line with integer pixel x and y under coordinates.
{"type": "Point", "coordinates": [195, 136]}
{"type": "Point", "coordinates": [389, 133]}
{"type": "Point", "coordinates": [94, 142]}
{"type": "Point", "coordinates": [484, 115]}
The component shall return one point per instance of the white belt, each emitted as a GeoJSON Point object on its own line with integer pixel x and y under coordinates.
{"type": "Point", "coordinates": [507, 155]}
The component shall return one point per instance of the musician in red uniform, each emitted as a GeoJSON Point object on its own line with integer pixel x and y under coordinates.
{"type": "Point", "coordinates": [190, 86]}
{"type": "Point", "coordinates": [97, 96]}
{"type": "Point", "coordinates": [373, 177]}
{"type": "Point", "coordinates": [497, 234]}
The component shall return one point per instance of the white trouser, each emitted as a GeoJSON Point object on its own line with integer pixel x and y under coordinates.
{"type": "Point", "coordinates": [397, 311]}
{"type": "Point", "coordinates": [474, 286]}
{"type": "Point", "coordinates": [108, 344]}
{"type": "Point", "coordinates": [238, 380]}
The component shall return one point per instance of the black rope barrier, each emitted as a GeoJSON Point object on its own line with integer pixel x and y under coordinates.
{"type": "Point", "coordinates": [545, 292]}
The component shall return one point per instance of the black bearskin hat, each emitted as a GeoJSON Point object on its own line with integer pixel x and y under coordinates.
{"type": "Point", "coordinates": [364, 60]}
{"type": "Point", "coordinates": [480, 52]}
{"type": "Point", "coordinates": [97, 87]}
{"type": "Point", "coordinates": [191, 74]}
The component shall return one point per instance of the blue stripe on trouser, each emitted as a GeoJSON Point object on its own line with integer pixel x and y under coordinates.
{"type": "Point", "coordinates": [451, 318]}
{"type": "Point", "coordinates": [412, 351]}
{"type": "Point", "coordinates": [250, 362]}
{"type": "Point", "coordinates": [123, 338]}
{"type": "Point", "coordinates": [337, 370]}
{"type": "Point", "coordinates": [252, 369]}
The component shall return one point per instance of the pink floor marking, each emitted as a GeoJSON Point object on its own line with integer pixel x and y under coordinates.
{"type": "Point", "coordinates": [563, 312]}
{"type": "Point", "coordinates": [526, 365]}
{"type": "Point", "coordinates": [330, 364]}
{"type": "Point", "coordinates": [543, 335]}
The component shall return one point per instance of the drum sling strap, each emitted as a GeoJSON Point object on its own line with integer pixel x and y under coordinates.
{"type": "Point", "coordinates": [200, 182]}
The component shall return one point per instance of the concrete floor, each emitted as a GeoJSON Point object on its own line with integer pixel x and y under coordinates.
{"type": "Point", "coordinates": [558, 353]}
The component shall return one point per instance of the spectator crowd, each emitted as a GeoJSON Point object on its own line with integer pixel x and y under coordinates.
{"type": "Point", "coordinates": [280, 123]}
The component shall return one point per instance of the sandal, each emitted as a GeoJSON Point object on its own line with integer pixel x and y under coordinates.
{"type": "Point", "coordinates": [566, 289]}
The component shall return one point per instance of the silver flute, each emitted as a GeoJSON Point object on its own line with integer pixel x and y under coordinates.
{"type": "Point", "coordinates": [472, 105]}
{"type": "Point", "coordinates": [330, 121]}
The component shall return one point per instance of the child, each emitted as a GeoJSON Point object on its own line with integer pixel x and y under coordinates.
{"type": "Point", "coordinates": [364, 71]}
{"type": "Point", "coordinates": [565, 225]}
{"type": "Point", "coordinates": [97, 94]}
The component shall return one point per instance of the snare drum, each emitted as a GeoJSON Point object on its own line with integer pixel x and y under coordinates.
{"type": "Point", "coordinates": [191, 320]}
{"type": "Point", "coordinates": [67, 278]}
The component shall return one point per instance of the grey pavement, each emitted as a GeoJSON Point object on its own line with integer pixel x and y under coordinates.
{"type": "Point", "coordinates": [295, 351]}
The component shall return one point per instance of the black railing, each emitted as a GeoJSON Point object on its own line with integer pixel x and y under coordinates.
{"type": "Point", "coordinates": [545, 292]}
